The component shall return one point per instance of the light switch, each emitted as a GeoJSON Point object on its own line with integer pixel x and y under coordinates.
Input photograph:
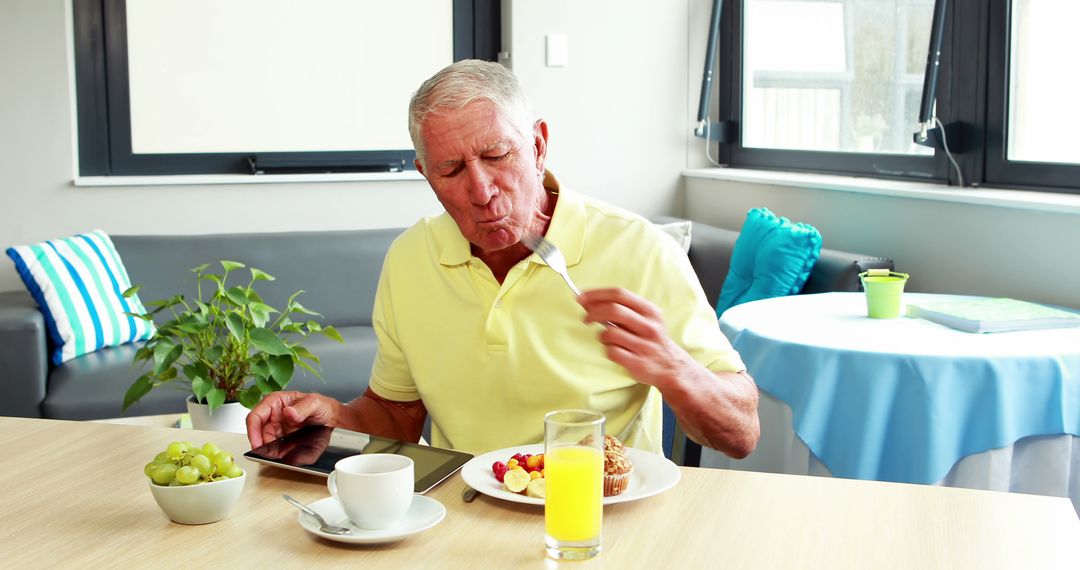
{"type": "Point", "coordinates": [556, 50]}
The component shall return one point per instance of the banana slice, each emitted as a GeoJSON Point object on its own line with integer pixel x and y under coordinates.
{"type": "Point", "coordinates": [537, 488]}
{"type": "Point", "coordinates": [516, 480]}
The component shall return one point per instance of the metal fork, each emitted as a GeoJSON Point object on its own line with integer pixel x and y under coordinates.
{"type": "Point", "coordinates": [551, 256]}
{"type": "Point", "coordinates": [555, 260]}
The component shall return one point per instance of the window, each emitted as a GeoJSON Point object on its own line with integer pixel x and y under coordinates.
{"type": "Point", "coordinates": [835, 85]}
{"type": "Point", "coordinates": [231, 86]}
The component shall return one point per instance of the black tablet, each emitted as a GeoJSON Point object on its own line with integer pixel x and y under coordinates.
{"type": "Point", "coordinates": [316, 449]}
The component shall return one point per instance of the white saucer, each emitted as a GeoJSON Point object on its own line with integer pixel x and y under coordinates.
{"type": "Point", "coordinates": [424, 513]}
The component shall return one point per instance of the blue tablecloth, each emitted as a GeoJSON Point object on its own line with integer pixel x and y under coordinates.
{"type": "Point", "coordinates": [904, 399]}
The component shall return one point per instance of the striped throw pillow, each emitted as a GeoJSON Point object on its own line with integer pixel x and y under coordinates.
{"type": "Point", "coordinates": [78, 282]}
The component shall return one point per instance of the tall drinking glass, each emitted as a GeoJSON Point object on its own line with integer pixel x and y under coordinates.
{"type": "Point", "coordinates": [574, 474]}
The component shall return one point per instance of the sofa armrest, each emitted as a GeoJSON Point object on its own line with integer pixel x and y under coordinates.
{"type": "Point", "coordinates": [23, 362]}
{"type": "Point", "coordinates": [839, 271]}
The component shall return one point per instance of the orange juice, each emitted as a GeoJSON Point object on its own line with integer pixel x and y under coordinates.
{"type": "Point", "coordinates": [573, 507]}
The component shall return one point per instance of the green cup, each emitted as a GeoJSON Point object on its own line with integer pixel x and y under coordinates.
{"type": "Point", "coordinates": [884, 290]}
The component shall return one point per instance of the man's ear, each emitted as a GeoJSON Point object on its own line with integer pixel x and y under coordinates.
{"type": "Point", "coordinates": [419, 167]}
{"type": "Point", "coordinates": [540, 140]}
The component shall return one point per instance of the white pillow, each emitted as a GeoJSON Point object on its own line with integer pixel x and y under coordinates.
{"type": "Point", "coordinates": [679, 231]}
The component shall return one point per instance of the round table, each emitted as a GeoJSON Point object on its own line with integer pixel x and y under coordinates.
{"type": "Point", "coordinates": [905, 399]}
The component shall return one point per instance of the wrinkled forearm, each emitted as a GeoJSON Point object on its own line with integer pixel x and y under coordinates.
{"type": "Point", "coordinates": [715, 409]}
{"type": "Point", "coordinates": [373, 414]}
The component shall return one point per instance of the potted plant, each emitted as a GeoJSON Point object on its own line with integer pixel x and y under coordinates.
{"type": "Point", "coordinates": [229, 348]}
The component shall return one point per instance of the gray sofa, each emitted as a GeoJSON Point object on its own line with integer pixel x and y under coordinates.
{"type": "Point", "coordinates": [337, 270]}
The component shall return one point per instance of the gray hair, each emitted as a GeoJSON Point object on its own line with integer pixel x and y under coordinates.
{"type": "Point", "coordinates": [461, 83]}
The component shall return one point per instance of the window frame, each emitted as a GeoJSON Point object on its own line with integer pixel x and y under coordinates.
{"type": "Point", "coordinates": [103, 103]}
{"type": "Point", "coordinates": [972, 91]}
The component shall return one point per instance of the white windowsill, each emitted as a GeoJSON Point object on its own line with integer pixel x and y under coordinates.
{"type": "Point", "coordinates": [198, 179]}
{"type": "Point", "coordinates": [1018, 199]}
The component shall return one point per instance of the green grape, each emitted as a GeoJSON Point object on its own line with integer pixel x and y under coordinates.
{"type": "Point", "coordinates": [232, 470]}
{"type": "Point", "coordinates": [187, 475]}
{"type": "Point", "coordinates": [162, 457]}
{"type": "Point", "coordinates": [149, 469]}
{"type": "Point", "coordinates": [202, 463]}
{"type": "Point", "coordinates": [223, 460]}
{"type": "Point", "coordinates": [176, 450]}
{"type": "Point", "coordinates": [163, 474]}
{"type": "Point", "coordinates": [210, 449]}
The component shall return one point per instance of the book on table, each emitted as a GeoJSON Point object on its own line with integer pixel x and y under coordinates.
{"type": "Point", "coordinates": [994, 315]}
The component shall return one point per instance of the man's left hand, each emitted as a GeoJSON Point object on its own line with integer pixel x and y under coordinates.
{"type": "Point", "coordinates": [635, 335]}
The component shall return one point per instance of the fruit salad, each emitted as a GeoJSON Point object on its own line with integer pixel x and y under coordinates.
{"type": "Point", "coordinates": [523, 474]}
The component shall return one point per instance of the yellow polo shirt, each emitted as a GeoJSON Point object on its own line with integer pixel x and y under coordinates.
{"type": "Point", "coordinates": [489, 360]}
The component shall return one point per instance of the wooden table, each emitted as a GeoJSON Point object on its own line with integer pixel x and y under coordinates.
{"type": "Point", "coordinates": [76, 497]}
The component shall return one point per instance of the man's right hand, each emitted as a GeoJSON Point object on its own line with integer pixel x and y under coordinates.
{"type": "Point", "coordinates": [280, 413]}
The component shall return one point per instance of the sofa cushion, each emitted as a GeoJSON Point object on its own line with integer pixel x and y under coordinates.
{"type": "Point", "coordinates": [772, 257]}
{"type": "Point", "coordinates": [93, 386]}
{"type": "Point", "coordinates": [679, 231]}
{"type": "Point", "coordinates": [338, 270]}
{"type": "Point", "coordinates": [78, 282]}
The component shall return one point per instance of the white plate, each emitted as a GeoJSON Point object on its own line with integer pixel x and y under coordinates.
{"type": "Point", "coordinates": [653, 474]}
{"type": "Point", "coordinates": [423, 514]}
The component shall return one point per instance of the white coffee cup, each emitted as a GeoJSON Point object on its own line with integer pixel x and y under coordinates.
{"type": "Point", "coordinates": [375, 490]}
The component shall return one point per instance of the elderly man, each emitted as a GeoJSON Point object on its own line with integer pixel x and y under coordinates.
{"type": "Point", "coordinates": [476, 331]}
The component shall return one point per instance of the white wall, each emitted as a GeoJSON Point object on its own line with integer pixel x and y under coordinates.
{"type": "Point", "coordinates": [618, 112]}
{"type": "Point", "coordinates": [618, 117]}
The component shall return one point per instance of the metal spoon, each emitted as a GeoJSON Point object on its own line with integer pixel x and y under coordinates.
{"type": "Point", "coordinates": [323, 525]}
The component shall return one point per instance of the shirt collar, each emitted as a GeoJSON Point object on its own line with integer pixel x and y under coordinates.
{"type": "Point", "coordinates": [566, 230]}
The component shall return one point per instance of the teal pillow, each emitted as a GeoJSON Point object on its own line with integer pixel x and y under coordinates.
{"type": "Point", "coordinates": [772, 258]}
{"type": "Point", "coordinates": [78, 283]}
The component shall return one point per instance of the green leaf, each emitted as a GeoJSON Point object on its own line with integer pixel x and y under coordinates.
{"type": "Point", "coordinates": [146, 317]}
{"type": "Point", "coordinates": [213, 354]}
{"type": "Point", "coordinates": [130, 291]}
{"type": "Point", "coordinates": [143, 353]}
{"type": "Point", "coordinates": [266, 341]}
{"type": "Point", "coordinates": [190, 324]}
{"type": "Point", "coordinates": [231, 265]}
{"type": "Point", "coordinates": [138, 389]}
{"type": "Point", "coordinates": [237, 296]}
{"type": "Point", "coordinates": [333, 333]}
{"type": "Point", "coordinates": [191, 372]}
{"type": "Point", "coordinates": [215, 398]}
{"type": "Point", "coordinates": [200, 268]}
{"type": "Point", "coordinates": [260, 313]}
{"type": "Point", "coordinates": [301, 352]}
{"type": "Point", "coordinates": [313, 326]}
{"type": "Point", "coordinates": [260, 368]}
{"type": "Point", "coordinates": [309, 368]}
{"type": "Point", "coordinates": [255, 298]}
{"type": "Point", "coordinates": [260, 275]}
{"type": "Point", "coordinates": [251, 397]}
{"type": "Point", "coordinates": [167, 374]}
{"type": "Point", "coordinates": [236, 325]}
{"type": "Point", "coordinates": [295, 307]}
{"type": "Point", "coordinates": [266, 386]}
{"type": "Point", "coordinates": [200, 387]}
{"type": "Point", "coordinates": [281, 368]}
{"type": "Point", "coordinates": [165, 354]}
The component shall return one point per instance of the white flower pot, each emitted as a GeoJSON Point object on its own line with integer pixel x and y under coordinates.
{"type": "Point", "coordinates": [230, 417]}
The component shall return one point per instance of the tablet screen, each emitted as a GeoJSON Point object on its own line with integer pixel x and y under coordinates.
{"type": "Point", "coordinates": [316, 449]}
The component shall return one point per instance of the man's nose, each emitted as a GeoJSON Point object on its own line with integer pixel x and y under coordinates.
{"type": "Point", "coordinates": [481, 183]}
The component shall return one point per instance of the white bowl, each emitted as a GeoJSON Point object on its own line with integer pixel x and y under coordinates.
{"type": "Point", "coordinates": [199, 504]}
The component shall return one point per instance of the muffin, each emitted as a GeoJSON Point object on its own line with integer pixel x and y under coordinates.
{"type": "Point", "coordinates": [617, 467]}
